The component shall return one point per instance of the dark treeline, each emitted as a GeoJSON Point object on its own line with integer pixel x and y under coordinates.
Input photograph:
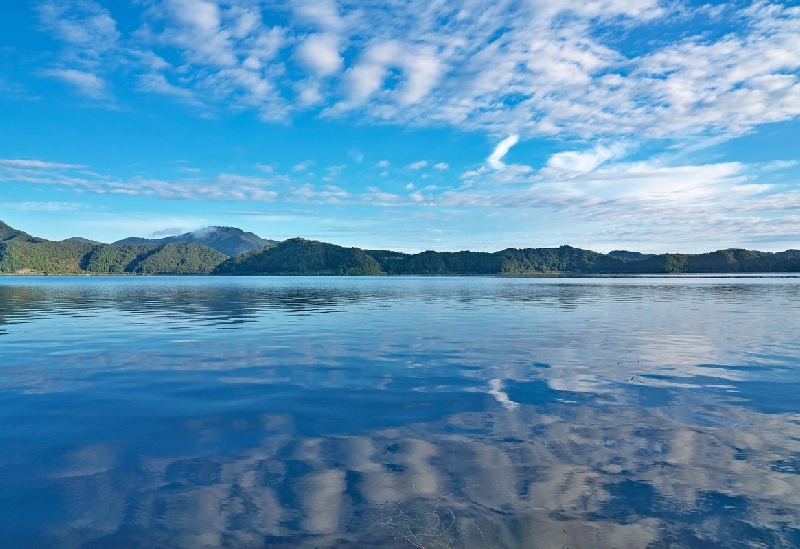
{"type": "Point", "coordinates": [21, 253]}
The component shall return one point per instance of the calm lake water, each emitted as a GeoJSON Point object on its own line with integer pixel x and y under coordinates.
{"type": "Point", "coordinates": [399, 412]}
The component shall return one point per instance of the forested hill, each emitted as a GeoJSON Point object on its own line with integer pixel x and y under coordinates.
{"type": "Point", "coordinates": [307, 257]}
{"type": "Point", "coordinates": [226, 240]}
{"type": "Point", "coordinates": [21, 253]}
{"type": "Point", "coordinates": [298, 256]}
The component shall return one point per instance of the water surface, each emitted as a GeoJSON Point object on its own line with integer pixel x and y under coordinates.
{"type": "Point", "coordinates": [399, 412]}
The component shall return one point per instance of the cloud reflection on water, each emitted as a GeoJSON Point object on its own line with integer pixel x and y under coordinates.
{"type": "Point", "coordinates": [441, 412]}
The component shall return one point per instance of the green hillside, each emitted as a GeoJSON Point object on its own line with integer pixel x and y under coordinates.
{"type": "Point", "coordinates": [42, 256]}
{"type": "Point", "coordinates": [298, 256]}
{"type": "Point", "coordinates": [21, 253]}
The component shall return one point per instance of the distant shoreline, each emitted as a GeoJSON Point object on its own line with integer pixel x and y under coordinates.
{"type": "Point", "coordinates": [217, 252]}
{"type": "Point", "coordinates": [502, 276]}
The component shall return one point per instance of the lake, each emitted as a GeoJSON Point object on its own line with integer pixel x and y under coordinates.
{"type": "Point", "coordinates": [152, 412]}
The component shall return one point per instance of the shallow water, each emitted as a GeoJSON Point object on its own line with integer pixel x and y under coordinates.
{"type": "Point", "coordinates": [399, 412]}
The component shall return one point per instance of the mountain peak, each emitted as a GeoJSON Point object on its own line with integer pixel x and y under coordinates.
{"type": "Point", "coordinates": [227, 240]}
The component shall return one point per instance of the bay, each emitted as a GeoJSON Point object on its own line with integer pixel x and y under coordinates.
{"type": "Point", "coordinates": [399, 412]}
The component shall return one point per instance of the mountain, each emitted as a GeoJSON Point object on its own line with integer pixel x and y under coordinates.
{"type": "Point", "coordinates": [21, 253]}
{"type": "Point", "coordinates": [227, 240]}
{"type": "Point", "coordinates": [298, 256]}
{"type": "Point", "coordinates": [9, 233]}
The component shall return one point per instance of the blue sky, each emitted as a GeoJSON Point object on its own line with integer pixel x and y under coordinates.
{"type": "Point", "coordinates": [411, 125]}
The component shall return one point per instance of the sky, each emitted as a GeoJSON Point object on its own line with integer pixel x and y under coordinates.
{"type": "Point", "coordinates": [648, 125]}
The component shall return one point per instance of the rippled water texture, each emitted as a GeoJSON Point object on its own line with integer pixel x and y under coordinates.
{"type": "Point", "coordinates": [399, 412]}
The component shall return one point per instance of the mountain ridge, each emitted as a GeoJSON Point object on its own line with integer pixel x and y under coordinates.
{"type": "Point", "coordinates": [21, 253]}
{"type": "Point", "coordinates": [227, 240]}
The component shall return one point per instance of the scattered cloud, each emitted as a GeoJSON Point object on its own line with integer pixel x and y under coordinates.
{"type": "Point", "coordinates": [383, 164]}
{"type": "Point", "coordinates": [157, 83]}
{"type": "Point", "coordinates": [504, 68]}
{"type": "Point", "coordinates": [441, 166]}
{"type": "Point", "coordinates": [83, 24]}
{"type": "Point", "coordinates": [419, 164]}
{"type": "Point", "coordinates": [573, 162]}
{"type": "Point", "coordinates": [319, 53]}
{"type": "Point", "coordinates": [303, 166]}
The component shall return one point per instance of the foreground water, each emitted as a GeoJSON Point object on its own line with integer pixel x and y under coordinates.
{"type": "Point", "coordinates": [399, 412]}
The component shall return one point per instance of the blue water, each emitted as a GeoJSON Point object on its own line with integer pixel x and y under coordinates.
{"type": "Point", "coordinates": [399, 412]}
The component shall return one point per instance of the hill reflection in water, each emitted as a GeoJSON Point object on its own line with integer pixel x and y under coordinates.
{"type": "Point", "coordinates": [402, 412]}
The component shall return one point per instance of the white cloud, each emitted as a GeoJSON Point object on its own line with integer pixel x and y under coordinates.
{"type": "Point", "coordinates": [37, 164]}
{"type": "Point", "coordinates": [42, 206]}
{"type": "Point", "coordinates": [322, 13]}
{"type": "Point", "coordinates": [441, 166]}
{"type": "Point", "coordinates": [308, 93]}
{"type": "Point", "coordinates": [196, 27]}
{"type": "Point", "coordinates": [419, 164]}
{"type": "Point", "coordinates": [495, 159]}
{"type": "Point", "coordinates": [157, 83]}
{"type": "Point", "coordinates": [573, 162]}
{"type": "Point", "coordinates": [87, 83]}
{"type": "Point", "coordinates": [319, 53]}
{"type": "Point", "coordinates": [81, 23]}
{"type": "Point", "coordinates": [366, 77]}
{"type": "Point", "coordinates": [309, 194]}
{"type": "Point", "coordinates": [303, 166]}
{"type": "Point", "coordinates": [383, 164]}
{"type": "Point", "coordinates": [423, 71]}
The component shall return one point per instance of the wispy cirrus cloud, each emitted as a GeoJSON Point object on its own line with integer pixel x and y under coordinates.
{"type": "Point", "coordinates": [663, 201]}
{"type": "Point", "coordinates": [86, 83]}
{"type": "Point", "coordinates": [83, 24]}
{"type": "Point", "coordinates": [90, 37]}
{"type": "Point", "coordinates": [42, 206]}
{"type": "Point", "coordinates": [37, 164]}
